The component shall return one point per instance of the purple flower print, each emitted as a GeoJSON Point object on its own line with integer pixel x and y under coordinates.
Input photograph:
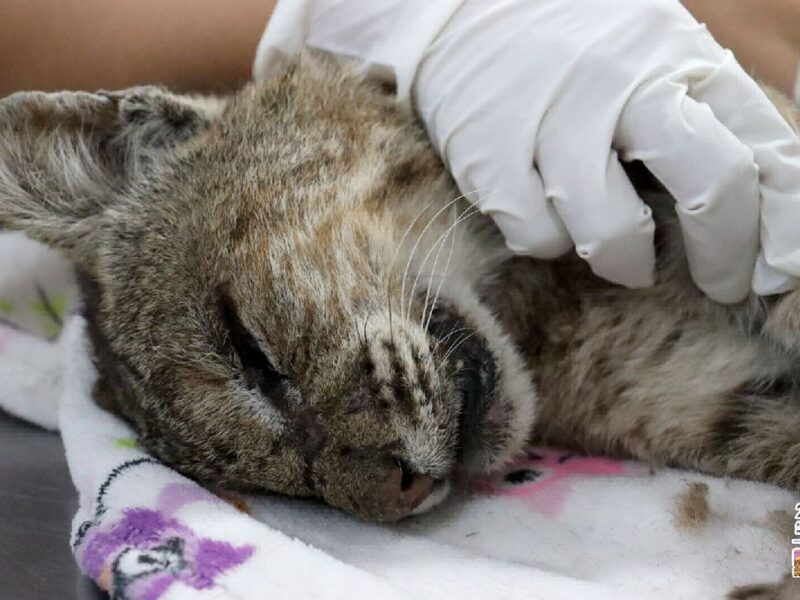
{"type": "Point", "coordinates": [140, 555]}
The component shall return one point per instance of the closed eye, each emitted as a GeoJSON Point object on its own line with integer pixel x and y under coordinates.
{"type": "Point", "coordinates": [257, 369]}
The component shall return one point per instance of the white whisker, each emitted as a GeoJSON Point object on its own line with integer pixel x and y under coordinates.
{"type": "Point", "coordinates": [399, 248]}
{"type": "Point", "coordinates": [454, 348]}
{"type": "Point", "coordinates": [466, 214]}
{"type": "Point", "coordinates": [439, 243]}
{"type": "Point", "coordinates": [451, 333]}
{"type": "Point", "coordinates": [416, 245]}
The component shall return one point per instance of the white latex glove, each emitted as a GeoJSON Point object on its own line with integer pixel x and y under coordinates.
{"type": "Point", "coordinates": [532, 103]}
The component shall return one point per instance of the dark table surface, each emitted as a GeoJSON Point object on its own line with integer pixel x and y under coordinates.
{"type": "Point", "coordinates": [37, 503]}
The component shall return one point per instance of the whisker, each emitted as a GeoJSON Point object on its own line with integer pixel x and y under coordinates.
{"type": "Point", "coordinates": [420, 237]}
{"type": "Point", "coordinates": [399, 247]}
{"type": "Point", "coordinates": [416, 245]}
{"type": "Point", "coordinates": [465, 214]}
{"type": "Point", "coordinates": [427, 322]}
{"type": "Point", "coordinates": [439, 243]}
{"type": "Point", "coordinates": [450, 334]}
{"type": "Point", "coordinates": [391, 324]}
{"type": "Point", "coordinates": [363, 342]}
{"type": "Point", "coordinates": [454, 348]}
{"type": "Point", "coordinates": [366, 322]}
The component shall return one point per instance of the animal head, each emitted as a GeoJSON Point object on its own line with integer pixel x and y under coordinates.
{"type": "Point", "coordinates": [282, 286]}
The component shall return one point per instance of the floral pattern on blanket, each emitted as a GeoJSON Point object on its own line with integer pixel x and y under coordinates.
{"type": "Point", "coordinates": [41, 313]}
{"type": "Point", "coordinates": [143, 552]}
{"type": "Point", "coordinates": [543, 477]}
{"type": "Point", "coordinates": [38, 290]}
{"type": "Point", "coordinates": [554, 524]}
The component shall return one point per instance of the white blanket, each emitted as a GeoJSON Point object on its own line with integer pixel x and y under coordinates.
{"type": "Point", "coordinates": [555, 524]}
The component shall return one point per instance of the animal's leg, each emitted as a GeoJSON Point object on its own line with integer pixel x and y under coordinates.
{"type": "Point", "coordinates": [707, 398]}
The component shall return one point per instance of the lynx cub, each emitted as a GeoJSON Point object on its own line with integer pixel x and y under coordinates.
{"type": "Point", "coordinates": [286, 292]}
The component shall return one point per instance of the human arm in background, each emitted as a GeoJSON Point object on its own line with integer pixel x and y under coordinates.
{"type": "Point", "coordinates": [765, 36]}
{"type": "Point", "coordinates": [96, 44]}
{"type": "Point", "coordinates": [208, 44]}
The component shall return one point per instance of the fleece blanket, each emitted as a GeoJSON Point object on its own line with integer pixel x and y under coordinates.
{"type": "Point", "coordinates": [554, 524]}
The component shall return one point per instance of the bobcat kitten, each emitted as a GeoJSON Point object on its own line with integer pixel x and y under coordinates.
{"type": "Point", "coordinates": [286, 292]}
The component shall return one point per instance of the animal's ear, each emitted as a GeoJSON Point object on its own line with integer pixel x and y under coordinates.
{"type": "Point", "coordinates": [67, 158]}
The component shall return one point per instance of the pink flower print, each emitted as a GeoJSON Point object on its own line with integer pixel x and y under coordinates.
{"type": "Point", "coordinates": [543, 477]}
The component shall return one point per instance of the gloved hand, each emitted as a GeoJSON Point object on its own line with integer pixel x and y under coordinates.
{"type": "Point", "coordinates": [532, 103]}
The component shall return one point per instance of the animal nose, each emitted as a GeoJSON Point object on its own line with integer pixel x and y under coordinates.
{"type": "Point", "coordinates": [405, 490]}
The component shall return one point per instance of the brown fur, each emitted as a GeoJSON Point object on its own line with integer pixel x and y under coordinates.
{"type": "Point", "coordinates": [278, 302]}
{"type": "Point", "coordinates": [788, 589]}
{"type": "Point", "coordinates": [691, 507]}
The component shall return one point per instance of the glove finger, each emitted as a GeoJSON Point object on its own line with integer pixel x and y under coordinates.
{"type": "Point", "coordinates": [518, 205]}
{"type": "Point", "coordinates": [711, 175]}
{"type": "Point", "coordinates": [740, 104]}
{"type": "Point", "coordinates": [769, 280]}
{"type": "Point", "coordinates": [610, 225]}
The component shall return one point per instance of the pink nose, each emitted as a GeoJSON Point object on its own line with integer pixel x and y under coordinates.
{"type": "Point", "coordinates": [403, 491]}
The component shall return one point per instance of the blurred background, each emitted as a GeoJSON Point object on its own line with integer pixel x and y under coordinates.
{"type": "Point", "coordinates": [206, 45]}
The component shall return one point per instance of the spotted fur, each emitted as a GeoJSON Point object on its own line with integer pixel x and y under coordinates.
{"type": "Point", "coordinates": [286, 292]}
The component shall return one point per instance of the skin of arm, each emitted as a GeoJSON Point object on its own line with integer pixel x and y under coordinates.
{"type": "Point", "coordinates": [765, 36]}
{"type": "Point", "coordinates": [209, 45]}
{"type": "Point", "coordinates": [203, 45]}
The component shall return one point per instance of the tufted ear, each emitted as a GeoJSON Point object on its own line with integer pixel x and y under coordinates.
{"type": "Point", "coordinates": [67, 158]}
